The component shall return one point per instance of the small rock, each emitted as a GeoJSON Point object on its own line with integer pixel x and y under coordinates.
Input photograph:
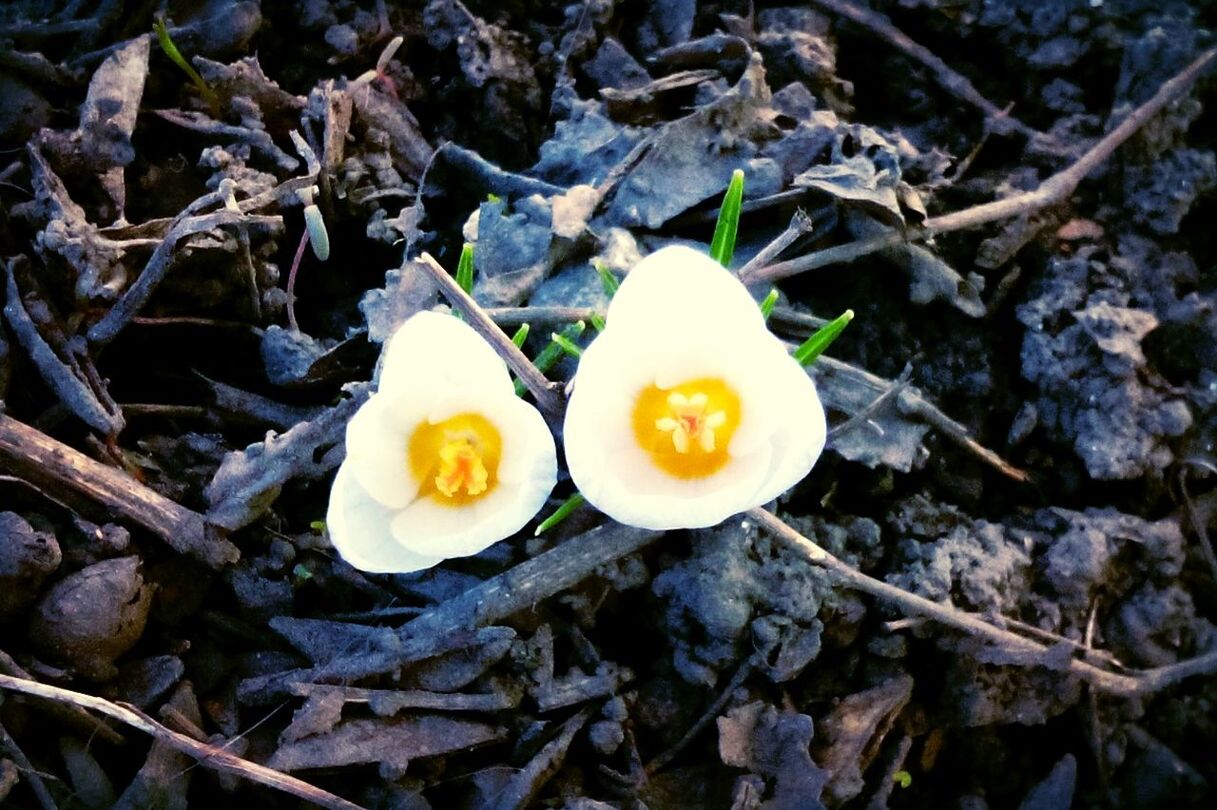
{"type": "Point", "coordinates": [91, 617]}
{"type": "Point", "coordinates": [27, 556]}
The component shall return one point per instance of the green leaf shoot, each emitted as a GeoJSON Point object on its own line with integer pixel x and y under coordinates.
{"type": "Point", "coordinates": [166, 43]}
{"type": "Point", "coordinates": [722, 246]}
{"type": "Point", "coordinates": [520, 336]}
{"type": "Point", "coordinates": [815, 345]}
{"type": "Point", "coordinates": [560, 514]}
{"type": "Point", "coordinates": [552, 352]}
{"type": "Point", "coordinates": [318, 236]}
{"type": "Point", "coordinates": [464, 269]}
{"type": "Point", "coordinates": [607, 279]}
{"type": "Point", "coordinates": [566, 344]}
{"type": "Point", "coordinates": [769, 303]}
{"type": "Point", "coordinates": [597, 321]}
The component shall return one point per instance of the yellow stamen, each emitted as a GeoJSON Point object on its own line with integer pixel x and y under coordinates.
{"type": "Point", "coordinates": [456, 461]}
{"type": "Point", "coordinates": [460, 466]}
{"type": "Point", "coordinates": [686, 429]}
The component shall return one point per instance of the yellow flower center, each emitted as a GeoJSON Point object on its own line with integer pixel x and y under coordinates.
{"type": "Point", "coordinates": [686, 429]}
{"type": "Point", "coordinates": [456, 461]}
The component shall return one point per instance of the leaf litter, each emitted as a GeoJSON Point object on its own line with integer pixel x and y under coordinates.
{"type": "Point", "coordinates": [970, 572]}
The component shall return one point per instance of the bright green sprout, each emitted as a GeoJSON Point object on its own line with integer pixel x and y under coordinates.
{"type": "Point", "coordinates": [902, 778]}
{"type": "Point", "coordinates": [567, 345]}
{"type": "Point", "coordinates": [162, 36]}
{"type": "Point", "coordinates": [560, 514]}
{"type": "Point", "coordinates": [493, 198]}
{"type": "Point", "coordinates": [607, 279]}
{"type": "Point", "coordinates": [769, 303]}
{"type": "Point", "coordinates": [520, 336]}
{"type": "Point", "coordinates": [318, 236]}
{"type": "Point", "coordinates": [318, 526]}
{"type": "Point", "coordinates": [597, 322]}
{"type": "Point", "coordinates": [464, 269]}
{"type": "Point", "coordinates": [815, 345]}
{"type": "Point", "coordinates": [550, 354]}
{"type": "Point", "coordinates": [722, 246]}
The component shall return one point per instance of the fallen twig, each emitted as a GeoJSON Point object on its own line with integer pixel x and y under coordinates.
{"type": "Point", "coordinates": [45, 462]}
{"type": "Point", "coordinates": [9, 746]}
{"type": "Point", "coordinates": [547, 396]}
{"type": "Point", "coordinates": [1134, 684]}
{"type": "Point", "coordinates": [712, 711]}
{"type": "Point", "coordinates": [1056, 189]}
{"type": "Point", "coordinates": [996, 119]}
{"type": "Point", "coordinates": [529, 780]}
{"type": "Point", "coordinates": [491, 178]}
{"type": "Point", "coordinates": [184, 225]}
{"type": "Point", "coordinates": [447, 625]}
{"type": "Point", "coordinates": [211, 756]}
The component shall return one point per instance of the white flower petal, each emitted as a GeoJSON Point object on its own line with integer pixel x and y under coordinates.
{"type": "Point", "coordinates": [436, 352]}
{"type": "Point", "coordinates": [358, 527]}
{"type": "Point", "coordinates": [427, 527]}
{"type": "Point", "coordinates": [678, 285]}
{"type": "Point", "coordinates": [625, 485]}
{"type": "Point", "coordinates": [797, 445]}
{"type": "Point", "coordinates": [377, 442]}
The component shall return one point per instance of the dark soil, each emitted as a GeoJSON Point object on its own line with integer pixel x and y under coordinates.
{"type": "Point", "coordinates": [1025, 411]}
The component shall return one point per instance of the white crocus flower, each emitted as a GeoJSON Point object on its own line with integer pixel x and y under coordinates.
{"type": "Point", "coordinates": [443, 460]}
{"type": "Point", "coordinates": [686, 410]}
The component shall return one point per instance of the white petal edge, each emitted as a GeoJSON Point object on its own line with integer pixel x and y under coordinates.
{"type": "Point", "coordinates": [427, 527]}
{"type": "Point", "coordinates": [678, 285]}
{"type": "Point", "coordinates": [432, 351]}
{"type": "Point", "coordinates": [617, 477]}
{"type": "Point", "coordinates": [798, 444]}
{"type": "Point", "coordinates": [358, 527]}
{"type": "Point", "coordinates": [377, 445]}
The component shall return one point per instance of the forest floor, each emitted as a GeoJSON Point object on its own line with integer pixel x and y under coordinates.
{"type": "Point", "coordinates": [995, 589]}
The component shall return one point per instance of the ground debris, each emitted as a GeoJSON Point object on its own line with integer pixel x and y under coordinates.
{"type": "Point", "coordinates": [249, 480]}
{"type": "Point", "coordinates": [391, 743]}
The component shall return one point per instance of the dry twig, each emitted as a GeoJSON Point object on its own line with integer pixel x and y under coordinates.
{"type": "Point", "coordinates": [996, 119]}
{"type": "Point", "coordinates": [1053, 191]}
{"type": "Point", "coordinates": [547, 396]}
{"type": "Point", "coordinates": [211, 756]}
{"type": "Point", "coordinates": [1137, 684]}
{"type": "Point", "coordinates": [50, 464]}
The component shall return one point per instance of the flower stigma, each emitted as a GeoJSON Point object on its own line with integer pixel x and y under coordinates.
{"type": "Point", "coordinates": [687, 429]}
{"type": "Point", "coordinates": [455, 461]}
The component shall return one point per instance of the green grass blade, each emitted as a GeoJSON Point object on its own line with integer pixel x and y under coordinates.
{"type": "Point", "coordinates": [520, 336]}
{"type": "Point", "coordinates": [552, 352]}
{"type": "Point", "coordinates": [166, 42]}
{"type": "Point", "coordinates": [464, 269]}
{"type": "Point", "coordinates": [815, 345]}
{"type": "Point", "coordinates": [566, 344]}
{"type": "Point", "coordinates": [560, 514]}
{"type": "Point", "coordinates": [722, 246]}
{"type": "Point", "coordinates": [607, 279]}
{"type": "Point", "coordinates": [769, 303]}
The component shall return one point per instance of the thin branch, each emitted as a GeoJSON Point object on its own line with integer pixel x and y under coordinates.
{"type": "Point", "coordinates": [953, 82]}
{"type": "Point", "coordinates": [711, 712]}
{"type": "Point", "coordinates": [46, 462]}
{"type": "Point", "coordinates": [1131, 685]}
{"type": "Point", "coordinates": [9, 746]}
{"type": "Point", "coordinates": [1056, 189]}
{"type": "Point", "coordinates": [206, 754]}
{"type": "Point", "coordinates": [800, 224]}
{"type": "Point", "coordinates": [512, 317]}
{"type": "Point", "coordinates": [547, 396]}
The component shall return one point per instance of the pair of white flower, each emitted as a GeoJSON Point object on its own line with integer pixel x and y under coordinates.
{"type": "Point", "coordinates": [685, 411]}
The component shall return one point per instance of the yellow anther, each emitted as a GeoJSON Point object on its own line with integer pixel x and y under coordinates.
{"type": "Point", "coordinates": [687, 428]}
{"type": "Point", "coordinates": [688, 421]}
{"type": "Point", "coordinates": [460, 466]}
{"type": "Point", "coordinates": [455, 461]}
